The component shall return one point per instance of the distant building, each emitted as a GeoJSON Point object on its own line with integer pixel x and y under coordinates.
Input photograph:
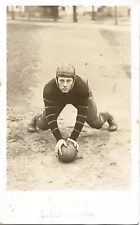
{"type": "Point", "coordinates": [64, 11]}
{"type": "Point", "coordinates": [105, 10]}
{"type": "Point", "coordinates": [81, 10]}
{"type": "Point", "coordinates": [16, 8]}
{"type": "Point", "coordinates": [122, 11]}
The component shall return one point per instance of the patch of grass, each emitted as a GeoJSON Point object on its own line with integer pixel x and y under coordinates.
{"type": "Point", "coordinates": [15, 137]}
{"type": "Point", "coordinates": [121, 45]}
{"type": "Point", "coordinates": [22, 62]}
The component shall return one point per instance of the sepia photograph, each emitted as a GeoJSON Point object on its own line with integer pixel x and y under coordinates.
{"type": "Point", "coordinates": [68, 98]}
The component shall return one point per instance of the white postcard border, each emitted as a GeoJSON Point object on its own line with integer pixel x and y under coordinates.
{"type": "Point", "coordinates": [89, 207]}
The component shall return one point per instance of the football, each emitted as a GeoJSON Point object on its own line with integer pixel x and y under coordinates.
{"type": "Point", "coordinates": [69, 153]}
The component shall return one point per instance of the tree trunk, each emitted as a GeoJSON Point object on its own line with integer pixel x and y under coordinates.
{"type": "Point", "coordinates": [29, 13]}
{"type": "Point", "coordinates": [19, 12]}
{"type": "Point", "coordinates": [12, 13]}
{"type": "Point", "coordinates": [55, 13]}
{"type": "Point", "coordinates": [116, 15]}
{"type": "Point", "coordinates": [93, 14]}
{"type": "Point", "coordinates": [75, 20]}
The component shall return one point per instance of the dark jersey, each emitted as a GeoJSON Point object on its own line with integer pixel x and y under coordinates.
{"type": "Point", "coordinates": [78, 96]}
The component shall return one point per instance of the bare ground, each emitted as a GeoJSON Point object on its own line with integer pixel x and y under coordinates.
{"type": "Point", "coordinates": [101, 55]}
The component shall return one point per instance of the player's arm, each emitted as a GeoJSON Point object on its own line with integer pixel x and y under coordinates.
{"type": "Point", "coordinates": [50, 109]}
{"type": "Point", "coordinates": [80, 119]}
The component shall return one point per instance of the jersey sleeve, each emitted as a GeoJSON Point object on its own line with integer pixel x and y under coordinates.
{"type": "Point", "coordinates": [50, 112]}
{"type": "Point", "coordinates": [80, 119]}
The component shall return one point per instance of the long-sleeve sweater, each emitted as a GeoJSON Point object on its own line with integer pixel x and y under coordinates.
{"type": "Point", "coordinates": [77, 96]}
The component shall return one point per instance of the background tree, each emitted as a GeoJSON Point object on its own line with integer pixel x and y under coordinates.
{"type": "Point", "coordinates": [93, 14]}
{"type": "Point", "coordinates": [28, 11]}
{"type": "Point", "coordinates": [116, 15]}
{"type": "Point", "coordinates": [50, 11]}
{"type": "Point", "coordinates": [12, 13]}
{"type": "Point", "coordinates": [75, 19]}
{"type": "Point", "coordinates": [55, 11]}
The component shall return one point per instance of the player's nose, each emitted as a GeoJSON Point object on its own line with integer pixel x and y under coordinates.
{"type": "Point", "coordinates": [65, 84]}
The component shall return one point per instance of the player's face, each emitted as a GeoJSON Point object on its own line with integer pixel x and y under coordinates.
{"type": "Point", "coordinates": [65, 84]}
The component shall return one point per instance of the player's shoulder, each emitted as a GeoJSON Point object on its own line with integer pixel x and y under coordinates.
{"type": "Point", "coordinates": [80, 79]}
{"type": "Point", "coordinates": [81, 82]}
{"type": "Point", "coordinates": [50, 85]}
{"type": "Point", "coordinates": [81, 86]}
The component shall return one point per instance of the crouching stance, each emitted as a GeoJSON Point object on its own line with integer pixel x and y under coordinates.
{"type": "Point", "coordinates": [69, 88]}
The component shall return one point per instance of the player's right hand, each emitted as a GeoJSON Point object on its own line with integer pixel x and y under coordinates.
{"type": "Point", "coordinates": [59, 146]}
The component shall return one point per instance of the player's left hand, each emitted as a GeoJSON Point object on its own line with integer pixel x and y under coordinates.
{"type": "Point", "coordinates": [74, 143]}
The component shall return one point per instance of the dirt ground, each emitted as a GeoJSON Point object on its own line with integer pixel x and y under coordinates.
{"type": "Point", "coordinates": [100, 54]}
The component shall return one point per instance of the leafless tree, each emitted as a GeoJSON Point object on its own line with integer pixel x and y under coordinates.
{"type": "Point", "coordinates": [116, 15]}
{"type": "Point", "coordinates": [28, 10]}
{"type": "Point", "coordinates": [93, 14]}
{"type": "Point", "coordinates": [12, 13]}
{"type": "Point", "coordinates": [55, 13]}
{"type": "Point", "coordinates": [75, 19]}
